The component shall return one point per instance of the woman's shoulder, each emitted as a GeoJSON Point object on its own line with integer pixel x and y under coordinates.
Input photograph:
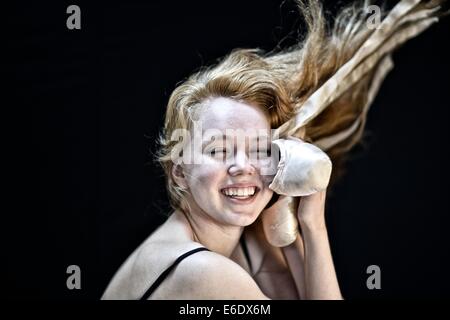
{"type": "Point", "coordinates": [144, 266]}
{"type": "Point", "coordinates": [202, 275]}
{"type": "Point", "coordinates": [209, 275]}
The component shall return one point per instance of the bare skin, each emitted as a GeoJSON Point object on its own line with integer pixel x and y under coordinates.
{"type": "Point", "coordinates": [286, 273]}
{"type": "Point", "coordinates": [302, 270]}
{"type": "Point", "coordinates": [174, 237]}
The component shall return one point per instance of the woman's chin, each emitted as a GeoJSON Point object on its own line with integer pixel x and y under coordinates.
{"type": "Point", "coordinates": [241, 219]}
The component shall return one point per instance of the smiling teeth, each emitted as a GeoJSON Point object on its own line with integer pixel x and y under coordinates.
{"type": "Point", "coordinates": [241, 192]}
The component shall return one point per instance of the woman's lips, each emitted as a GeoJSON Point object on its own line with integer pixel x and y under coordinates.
{"type": "Point", "coordinates": [237, 200]}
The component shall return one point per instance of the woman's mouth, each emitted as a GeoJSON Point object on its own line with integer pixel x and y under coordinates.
{"type": "Point", "coordinates": [240, 195]}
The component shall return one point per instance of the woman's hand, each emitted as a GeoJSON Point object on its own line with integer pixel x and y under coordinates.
{"type": "Point", "coordinates": [311, 211]}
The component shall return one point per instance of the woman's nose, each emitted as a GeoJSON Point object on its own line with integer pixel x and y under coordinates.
{"type": "Point", "coordinates": [241, 164]}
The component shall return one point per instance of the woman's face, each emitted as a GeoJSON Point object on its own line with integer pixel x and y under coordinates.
{"type": "Point", "coordinates": [228, 185]}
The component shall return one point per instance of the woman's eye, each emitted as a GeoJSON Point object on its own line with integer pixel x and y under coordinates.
{"type": "Point", "coordinates": [219, 151]}
{"type": "Point", "coordinates": [262, 153]}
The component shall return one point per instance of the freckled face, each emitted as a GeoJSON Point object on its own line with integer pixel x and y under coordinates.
{"type": "Point", "coordinates": [232, 161]}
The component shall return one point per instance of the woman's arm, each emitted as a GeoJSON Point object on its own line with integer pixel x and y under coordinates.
{"type": "Point", "coordinates": [294, 255]}
{"type": "Point", "coordinates": [309, 257]}
{"type": "Point", "coordinates": [320, 281]}
{"type": "Point", "coordinates": [312, 271]}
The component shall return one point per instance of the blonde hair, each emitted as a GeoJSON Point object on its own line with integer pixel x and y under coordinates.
{"type": "Point", "coordinates": [279, 82]}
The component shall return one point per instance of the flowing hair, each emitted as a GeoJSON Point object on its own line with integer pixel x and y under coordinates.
{"type": "Point", "coordinates": [279, 82]}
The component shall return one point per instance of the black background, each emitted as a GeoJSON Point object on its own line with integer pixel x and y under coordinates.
{"type": "Point", "coordinates": [85, 99]}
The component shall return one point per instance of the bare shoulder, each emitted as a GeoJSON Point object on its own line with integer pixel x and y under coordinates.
{"type": "Point", "coordinates": [202, 275]}
{"type": "Point", "coordinates": [208, 275]}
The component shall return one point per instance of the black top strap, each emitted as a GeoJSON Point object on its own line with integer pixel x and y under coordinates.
{"type": "Point", "coordinates": [245, 249]}
{"type": "Point", "coordinates": [168, 270]}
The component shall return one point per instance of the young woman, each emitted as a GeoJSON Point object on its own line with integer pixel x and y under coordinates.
{"type": "Point", "coordinates": [213, 245]}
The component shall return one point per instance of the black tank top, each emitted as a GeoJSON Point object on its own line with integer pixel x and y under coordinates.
{"type": "Point", "coordinates": [166, 272]}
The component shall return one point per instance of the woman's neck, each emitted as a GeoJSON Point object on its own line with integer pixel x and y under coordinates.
{"type": "Point", "coordinates": [217, 238]}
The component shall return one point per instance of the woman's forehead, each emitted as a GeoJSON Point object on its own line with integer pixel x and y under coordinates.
{"type": "Point", "coordinates": [225, 113]}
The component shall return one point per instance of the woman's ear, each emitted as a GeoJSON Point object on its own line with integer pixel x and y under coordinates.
{"type": "Point", "coordinates": [178, 176]}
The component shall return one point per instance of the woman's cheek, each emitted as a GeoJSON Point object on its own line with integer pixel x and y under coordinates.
{"type": "Point", "coordinates": [205, 175]}
{"type": "Point", "coordinates": [267, 180]}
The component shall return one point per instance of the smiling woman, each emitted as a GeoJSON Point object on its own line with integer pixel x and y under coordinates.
{"type": "Point", "coordinates": [218, 242]}
{"type": "Point", "coordinates": [209, 183]}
